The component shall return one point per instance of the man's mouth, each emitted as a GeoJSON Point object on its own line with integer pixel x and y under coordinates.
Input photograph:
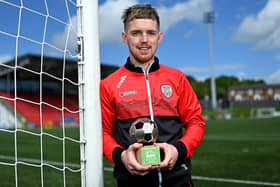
{"type": "Point", "coordinates": [143, 49]}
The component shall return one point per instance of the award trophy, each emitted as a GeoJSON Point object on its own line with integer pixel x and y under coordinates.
{"type": "Point", "coordinates": [145, 131]}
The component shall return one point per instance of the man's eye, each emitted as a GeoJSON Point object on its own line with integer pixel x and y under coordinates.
{"type": "Point", "coordinates": [135, 33]}
{"type": "Point", "coordinates": [152, 33]}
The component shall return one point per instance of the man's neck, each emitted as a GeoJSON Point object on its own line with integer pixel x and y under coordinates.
{"type": "Point", "coordinates": [144, 66]}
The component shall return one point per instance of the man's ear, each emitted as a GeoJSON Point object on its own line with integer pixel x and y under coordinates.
{"type": "Point", "coordinates": [124, 37]}
{"type": "Point", "coordinates": [160, 37]}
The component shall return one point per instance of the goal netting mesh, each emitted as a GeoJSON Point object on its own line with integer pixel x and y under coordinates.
{"type": "Point", "coordinates": [39, 100]}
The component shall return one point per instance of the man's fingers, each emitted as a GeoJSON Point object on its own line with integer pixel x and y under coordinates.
{"type": "Point", "coordinates": [137, 169]}
{"type": "Point", "coordinates": [170, 157]}
{"type": "Point", "coordinates": [132, 165]}
{"type": "Point", "coordinates": [134, 147]}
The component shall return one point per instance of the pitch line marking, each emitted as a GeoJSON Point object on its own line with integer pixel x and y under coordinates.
{"type": "Point", "coordinates": [235, 181]}
{"type": "Point", "coordinates": [223, 180]}
{"type": "Point", "coordinates": [110, 169]}
{"type": "Point", "coordinates": [36, 161]}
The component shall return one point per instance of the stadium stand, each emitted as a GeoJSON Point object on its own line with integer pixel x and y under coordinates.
{"type": "Point", "coordinates": [54, 110]}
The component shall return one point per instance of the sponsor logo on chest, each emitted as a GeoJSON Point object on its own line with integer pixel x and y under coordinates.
{"type": "Point", "coordinates": [132, 92]}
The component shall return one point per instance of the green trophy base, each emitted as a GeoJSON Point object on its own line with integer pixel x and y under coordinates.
{"type": "Point", "coordinates": [148, 155]}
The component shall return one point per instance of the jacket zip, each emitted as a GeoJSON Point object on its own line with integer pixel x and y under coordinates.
{"type": "Point", "coordinates": [146, 73]}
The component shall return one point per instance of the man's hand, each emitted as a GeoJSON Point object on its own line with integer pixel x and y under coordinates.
{"type": "Point", "coordinates": [171, 155]}
{"type": "Point", "coordinates": [129, 160]}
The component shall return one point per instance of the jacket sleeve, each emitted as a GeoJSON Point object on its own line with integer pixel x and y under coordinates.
{"type": "Point", "coordinates": [192, 120]}
{"type": "Point", "coordinates": [108, 119]}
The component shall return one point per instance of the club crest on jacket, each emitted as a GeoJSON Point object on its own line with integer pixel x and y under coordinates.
{"type": "Point", "coordinates": [166, 90]}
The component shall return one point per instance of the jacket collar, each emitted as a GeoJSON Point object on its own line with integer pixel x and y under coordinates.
{"type": "Point", "coordinates": [131, 67]}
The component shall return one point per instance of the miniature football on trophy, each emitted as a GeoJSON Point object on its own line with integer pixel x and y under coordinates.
{"type": "Point", "coordinates": [145, 131]}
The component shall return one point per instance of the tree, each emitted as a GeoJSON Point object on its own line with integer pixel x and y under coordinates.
{"type": "Point", "coordinates": [202, 88]}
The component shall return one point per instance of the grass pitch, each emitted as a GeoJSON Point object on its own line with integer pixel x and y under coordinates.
{"type": "Point", "coordinates": [29, 152]}
{"type": "Point", "coordinates": [243, 149]}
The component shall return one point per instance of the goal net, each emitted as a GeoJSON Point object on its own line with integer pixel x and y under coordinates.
{"type": "Point", "coordinates": [44, 111]}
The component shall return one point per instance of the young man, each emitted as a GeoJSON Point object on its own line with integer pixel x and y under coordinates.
{"type": "Point", "coordinates": [145, 88]}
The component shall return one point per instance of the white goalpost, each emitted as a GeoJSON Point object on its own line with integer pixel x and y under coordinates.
{"type": "Point", "coordinates": [50, 116]}
{"type": "Point", "coordinates": [90, 115]}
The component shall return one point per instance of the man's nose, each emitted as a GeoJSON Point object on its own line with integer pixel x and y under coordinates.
{"type": "Point", "coordinates": [144, 37]}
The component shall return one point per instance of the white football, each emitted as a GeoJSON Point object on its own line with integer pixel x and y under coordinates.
{"type": "Point", "coordinates": [144, 130]}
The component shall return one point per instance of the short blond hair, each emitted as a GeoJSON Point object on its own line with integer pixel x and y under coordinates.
{"type": "Point", "coordinates": [140, 12]}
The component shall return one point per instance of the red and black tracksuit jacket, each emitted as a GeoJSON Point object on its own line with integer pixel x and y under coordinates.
{"type": "Point", "coordinates": [124, 98]}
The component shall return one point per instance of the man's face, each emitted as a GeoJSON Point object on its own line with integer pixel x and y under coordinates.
{"type": "Point", "coordinates": [142, 38]}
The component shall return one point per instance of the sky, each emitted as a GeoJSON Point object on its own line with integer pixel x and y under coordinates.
{"type": "Point", "coordinates": [245, 34]}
